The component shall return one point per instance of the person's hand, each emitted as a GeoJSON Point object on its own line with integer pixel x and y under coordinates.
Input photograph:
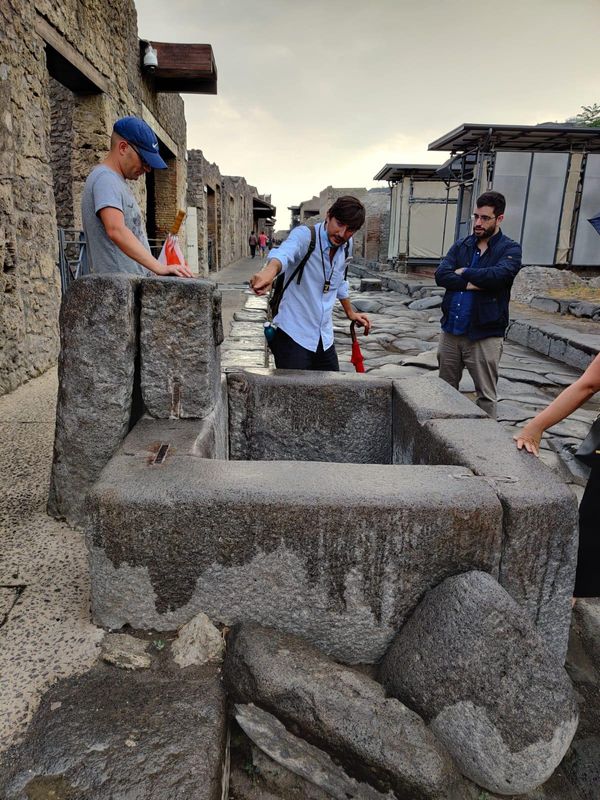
{"type": "Point", "coordinates": [179, 270]}
{"type": "Point", "coordinates": [361, 320]}
{"type": "Point", "coordinates": [529, 438]}
{"type": "Point", "coordinates": [460, 270]}
{"type": "Point", "coordinates": [260, 282]}
{"type": "Point", "coordinates": [471, 287]}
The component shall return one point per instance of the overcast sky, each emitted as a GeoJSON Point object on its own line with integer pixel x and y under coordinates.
{"type": "Point", "coordinates": [318, 93]}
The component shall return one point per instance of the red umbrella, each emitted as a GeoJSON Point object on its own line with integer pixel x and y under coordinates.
{"type": "Point", "coordinates": [357, 357]}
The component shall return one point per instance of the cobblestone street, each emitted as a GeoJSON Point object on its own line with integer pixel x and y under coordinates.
{"type": "Point", "coordinates": [45, 632]}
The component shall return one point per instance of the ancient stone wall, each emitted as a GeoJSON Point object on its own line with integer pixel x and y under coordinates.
{"type": "Point", "coordinates": [224, 212]}
{"type": "Point", "coordinates": [50, 138]}
{"type": "Point", "coordinates": [29, 280]}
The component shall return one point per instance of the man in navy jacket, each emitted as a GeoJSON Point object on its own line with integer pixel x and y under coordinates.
{"type": "Point", "coordinates": [477, 274]}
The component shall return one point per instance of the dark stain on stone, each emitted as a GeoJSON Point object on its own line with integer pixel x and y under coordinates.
{"type": "Point", "coordinates": [18, 590]}
{"type": "Point", "coordinates": [49, 787]}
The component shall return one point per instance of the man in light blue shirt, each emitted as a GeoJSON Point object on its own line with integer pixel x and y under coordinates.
{"type": "Point", "coordinates": [304, 335]}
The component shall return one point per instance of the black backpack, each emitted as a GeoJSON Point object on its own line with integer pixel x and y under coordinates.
{"type": "Point", "coordinates": [280, 284]}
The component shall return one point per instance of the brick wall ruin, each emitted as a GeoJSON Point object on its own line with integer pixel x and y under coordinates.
{"type": "Point", "coordinates": [224, 212]}
{"type": "Point", "coordinates": [50, 138]}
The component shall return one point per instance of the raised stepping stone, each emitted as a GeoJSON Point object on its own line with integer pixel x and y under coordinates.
{"type": "Point", "coordinates": [370, 284]}
{"type": "Point", "coordinates": [341, 711]}
{"type": "Point", "coordinates": [127, 735]}
{"type": "Point", "coordinates": [470, 662]}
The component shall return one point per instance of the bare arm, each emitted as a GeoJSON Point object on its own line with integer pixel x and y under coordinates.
{"type": "Point", "coordinates": [116, 230]}
{"type": "Point", "coordinates": [361, 319]}
{"type": "Point", "coordinates": [567, 401]}
{"type": "Point", "coordinates": [260, 282]}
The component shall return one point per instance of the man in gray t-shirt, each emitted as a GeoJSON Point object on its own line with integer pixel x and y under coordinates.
{"type": "Point", "coordinates": [112, 220]}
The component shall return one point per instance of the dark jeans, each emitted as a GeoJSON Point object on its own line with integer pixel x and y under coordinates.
{"type": "Point", "coordinates": [290, 355]}
{"type": "Point", "coordinates": [253, 250]}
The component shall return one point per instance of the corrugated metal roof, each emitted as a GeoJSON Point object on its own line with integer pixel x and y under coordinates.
{"type": "Point", "coordinates": [539, 138]}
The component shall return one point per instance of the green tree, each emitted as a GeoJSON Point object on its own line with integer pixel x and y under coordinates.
{"type": "Point", "coordinates": [589, 116]}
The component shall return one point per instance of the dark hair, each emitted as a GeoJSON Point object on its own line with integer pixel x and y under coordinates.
{"type": "Point", "coordinates": [494, 199]}
{"type": "Point", "coordinates": [349, 211]}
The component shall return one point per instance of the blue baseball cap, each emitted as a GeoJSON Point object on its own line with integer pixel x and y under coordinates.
{"type": "Point", "coordinates": [139, 134]}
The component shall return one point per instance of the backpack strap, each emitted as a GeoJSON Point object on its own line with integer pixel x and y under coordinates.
{"type": "Point", "coordinates": [300, 268]}
{"type": "Point", "coordinates": [346, 257]}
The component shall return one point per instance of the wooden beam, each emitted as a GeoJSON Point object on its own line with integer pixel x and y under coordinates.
{"type": "Point", "coordinates": [66, 64]}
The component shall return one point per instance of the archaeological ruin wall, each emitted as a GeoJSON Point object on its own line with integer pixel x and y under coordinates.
{"type": "Point", "coordinates": [323, 504]}
{"type": "Point", "coordinates": [67, 71]}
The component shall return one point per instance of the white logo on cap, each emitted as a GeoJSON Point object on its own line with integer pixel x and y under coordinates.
{"type": "Point", "coordinates": [155, 145]}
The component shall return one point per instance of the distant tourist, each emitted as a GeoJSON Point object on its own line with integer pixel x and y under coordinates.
{"type": "Point", "coordinates": [304, 328]}
{"type": "Point", "coordinates": [252, 241]}
{"type": "Point", "coordinates": [262, 243]}
{"type": "Point", "coordinates": [587, 578]}
{"type": "Point", "coordinates": [112, 220]}
{"type": "Point", "coordinates": [477, 274]}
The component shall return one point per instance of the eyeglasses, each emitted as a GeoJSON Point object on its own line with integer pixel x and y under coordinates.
{"type": "Point", "coordinates": [142, 159]}
{"type": "Point", "coordinates": [482, 218]}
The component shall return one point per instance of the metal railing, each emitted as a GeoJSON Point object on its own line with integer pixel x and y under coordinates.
{"type": "Point", "coordinates": [72, 261]}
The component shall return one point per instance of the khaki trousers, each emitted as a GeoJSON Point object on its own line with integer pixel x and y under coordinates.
{"type": "Point", "coordinates": [481, 358]}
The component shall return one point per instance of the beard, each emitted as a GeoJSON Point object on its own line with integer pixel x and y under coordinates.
{"type": "Point", "coordinates": [484, 234]}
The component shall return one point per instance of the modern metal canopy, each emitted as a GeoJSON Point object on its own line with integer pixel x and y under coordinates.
{"type": "Point", "coordinates": [530, 138]}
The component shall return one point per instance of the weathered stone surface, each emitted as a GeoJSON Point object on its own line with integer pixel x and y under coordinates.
{"type": "Point", "coordinates": [370, 285]}
{"type": "Point", "coordinates": [573, 348]}
{"type": "Point", "coordinates": [367, 306]}
{"type": "Point", "coordinates": [417, 400]}
{"type": "Point", "coordinates": [584, 308]}
{"type": "Point", "coordinates": [426, 302]}
{"type": "Point", "coordinates": [125, 651]}
{"type": "Point", "coordinates": [337, 553]}
{"type": "Point", "coordinates": [147, 735]}
{"type": "Point", "coordinates": [587, 613]}
{"type": "Point", "coordinates": [300, 757]}
{"type": "Point", "coordinates": [538, 558]}
{"type": "Point", "coordinates": [95, 385]}
{"type": "Point", "coordinates": [340, 710]}
{"type": "Point", "coordinates": [198, 642]}
{"type": "Point", "coordinates": [470, 662]}
{"type": "Point", "coordinates": [548, 304]}
{"type": "Point", "coordinates": [309, 416]}
{"type": "Point", "coordinates": [180, 328]}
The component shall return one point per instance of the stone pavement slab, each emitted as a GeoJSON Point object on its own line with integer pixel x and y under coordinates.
{"type": "Point", "coordinates": [47, 634]}
{"type": "Point", "coordinates": [112, 733]}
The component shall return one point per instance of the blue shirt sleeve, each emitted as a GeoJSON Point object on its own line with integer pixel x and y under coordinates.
{"type": "Point", "coordinates": [293, 250]}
